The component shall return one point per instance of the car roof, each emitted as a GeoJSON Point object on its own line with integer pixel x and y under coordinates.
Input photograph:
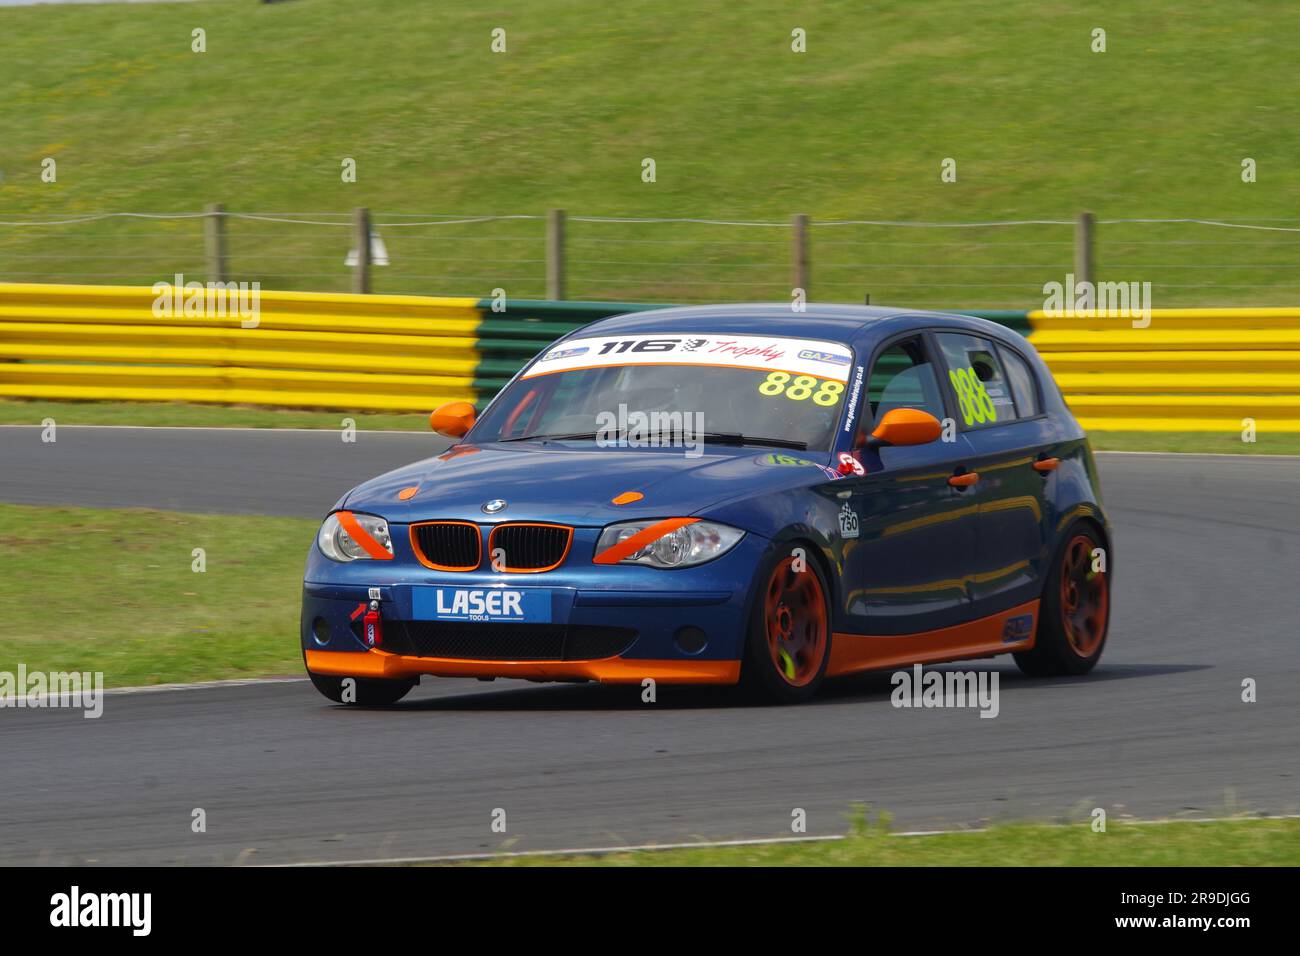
{"type": "Point", "coordinates": [836, 323]}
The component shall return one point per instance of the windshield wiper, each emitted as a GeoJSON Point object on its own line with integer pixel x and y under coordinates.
{"type": "Point", "coordinates": [734, 438]}
{"type": "Point", "coordinates": [720, 438]}
{"type": "Point", "coordinates": [580, 436]}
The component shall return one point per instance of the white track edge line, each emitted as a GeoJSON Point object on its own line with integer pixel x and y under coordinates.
{"type": "Point", "coordinates": [713, 844]}
{"type": "Point", "coordinates": [205, 685]}
{"type": "Point", "coordinates": [36, 701]}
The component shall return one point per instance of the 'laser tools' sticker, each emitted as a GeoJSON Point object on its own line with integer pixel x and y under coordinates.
{"type": "Point", "coordinates": [521, 605]}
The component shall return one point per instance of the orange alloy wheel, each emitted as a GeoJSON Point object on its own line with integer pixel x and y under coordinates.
{"type": "Point", "coordinates": [795, 617]}
{"type": "Point", "coordinates": [1085, 597]}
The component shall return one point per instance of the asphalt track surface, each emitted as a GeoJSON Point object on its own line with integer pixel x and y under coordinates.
{"type": "Point", "coordinates": [1207, 590]}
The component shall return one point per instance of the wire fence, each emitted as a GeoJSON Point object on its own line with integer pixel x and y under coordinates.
{"type": "Point", "coordinates": [997, 264]}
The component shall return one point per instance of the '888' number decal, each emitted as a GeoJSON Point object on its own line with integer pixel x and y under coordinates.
{"type": "Point", "coordinates": [800, 387]}
{"type": "Point", "coordinates": [976, 404]}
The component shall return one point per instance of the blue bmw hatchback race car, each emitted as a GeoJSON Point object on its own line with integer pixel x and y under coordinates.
{"type": "Point", "coordinates": [727, 494]}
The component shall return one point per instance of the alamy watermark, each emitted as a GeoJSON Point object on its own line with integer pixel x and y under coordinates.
{"type": "Point", "coordinates": [941, 689]}
{"type": "Point", "coordinates": [1112, 300]}
{"type": "Point", "coordinates": [64, 689]}
{"type": "Point", "coordinates": [636, 429]}
{"type": "Point", "coordinates": [206, 300]}
{"type": "Point", "coordinates": [133, 911]}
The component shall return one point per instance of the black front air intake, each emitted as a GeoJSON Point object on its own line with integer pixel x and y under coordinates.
{"type": "Point", "coordinates": [506, 642]}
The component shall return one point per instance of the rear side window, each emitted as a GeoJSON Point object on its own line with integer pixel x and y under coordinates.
{"type": "Point", "coordinates": [1023, 383]}
{"type": "Point", "coordinates": [977, 379]}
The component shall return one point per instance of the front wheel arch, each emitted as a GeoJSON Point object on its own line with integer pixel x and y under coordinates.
{"type": "Point", "coordinates": [757, 675]}
{"type": "Point", "coordinates": [793, 537]}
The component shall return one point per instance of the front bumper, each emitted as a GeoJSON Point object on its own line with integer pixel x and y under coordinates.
{"type": "Point", "coordinates": [651, 605]}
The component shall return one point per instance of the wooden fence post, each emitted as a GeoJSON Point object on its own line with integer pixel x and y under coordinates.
{"type": "Point", "coordinates": [1084, 239]}
{"type": "Point", "coordinates": [802, 272]}
{"type": "Point", "coordinates": [214, 243]}
{"type": "Point", "coordinates": [555, 255]}
{"type": "Point", "coordinates": [361, 238]}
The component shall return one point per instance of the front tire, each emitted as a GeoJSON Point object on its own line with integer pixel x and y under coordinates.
{"type": "Point", "coordinates": [788, 643]}
{"type": "Point", "coordinates": [369, 691]}
{"type": "Point", "coordinates": [1075, 609]}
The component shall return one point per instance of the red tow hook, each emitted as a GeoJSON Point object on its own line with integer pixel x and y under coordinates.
{"type": "Point", "coordinates": [372, 626]}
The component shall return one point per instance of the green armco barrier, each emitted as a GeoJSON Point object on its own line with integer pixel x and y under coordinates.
{"type": "Point", "coordinates": [1011, 318]}
{"type": "Point", "coordinates": [509, 338]}
{"type": "Point", "coordinates": [523, 327]}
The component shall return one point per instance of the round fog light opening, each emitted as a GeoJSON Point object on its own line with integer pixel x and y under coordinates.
{"type": "Point", "coordinates": [320, 630]}
{"type": "Point", "coordinates": [690, 639]}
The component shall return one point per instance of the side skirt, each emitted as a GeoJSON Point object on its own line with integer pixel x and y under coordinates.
{"type": "Point", "coordinates": [997, 634]}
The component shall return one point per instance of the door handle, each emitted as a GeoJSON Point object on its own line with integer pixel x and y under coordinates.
{"type": "Point", "coordinates": [965, 479]}
{"type": "Point", "coordinates": [1045, 465]}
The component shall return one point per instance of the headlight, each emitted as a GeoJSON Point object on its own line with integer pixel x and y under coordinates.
{"type": "Point", "coordinates": [348, 537]}
{"type": "Point", "coordinates": [674, 543]}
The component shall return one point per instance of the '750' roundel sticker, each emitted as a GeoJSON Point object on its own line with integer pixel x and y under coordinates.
{"type": "Point", "coordinates": [850, 465]}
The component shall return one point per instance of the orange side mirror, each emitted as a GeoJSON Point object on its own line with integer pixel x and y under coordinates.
{"type": "Point", "coordinates": [452, 420]}
{"type": "Point", "coordinates": [906, 426]}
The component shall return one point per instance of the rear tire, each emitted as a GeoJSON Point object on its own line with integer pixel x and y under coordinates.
{"type": "Point", "coordinates": [369, 691]}
{"type": "Point", "coordinates": [1074, 614]}
{"type": "Point", "coordinates": [788, 642]}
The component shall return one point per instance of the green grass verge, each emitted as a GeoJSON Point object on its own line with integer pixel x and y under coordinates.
{"type": "Point", "coordinates": [739, 126]}
{"type": "Point", "coordinates": [1242, 842]}
{"type": "Point", "coordinates": [184, 415]}
{"type": "Point", "coordinates": [114, 591]}
{"type": "Point", "coordinates": [221, 416]}
{"type": "Point", "coordinates": [1230, 443]}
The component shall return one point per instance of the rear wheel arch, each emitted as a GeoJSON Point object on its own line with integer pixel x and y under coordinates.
{"type": "Point", "coordinates": [1074, 611]}
{"type": "Point", "coordinates": [1092, 519]}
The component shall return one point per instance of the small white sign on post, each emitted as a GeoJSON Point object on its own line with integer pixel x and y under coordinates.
{"type": "Point", "coordinates": [378, 252]}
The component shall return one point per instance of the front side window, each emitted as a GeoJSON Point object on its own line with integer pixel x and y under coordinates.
{"type": "Point", "coordinates": [776, 391]}
{"type": "Point", "coordinates": [903, 377]}
{"type": "Point", "coordinates": [976, 379]}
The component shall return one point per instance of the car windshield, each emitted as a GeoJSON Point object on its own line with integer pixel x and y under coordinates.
{"type": "Point", "coordinates": [654, 389]}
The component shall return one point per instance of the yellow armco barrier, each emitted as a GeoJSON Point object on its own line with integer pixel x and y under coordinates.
{"type": "Point", "coordinates": [1188, 370]}
{"type": "Point", "coordinates": [309, 350]}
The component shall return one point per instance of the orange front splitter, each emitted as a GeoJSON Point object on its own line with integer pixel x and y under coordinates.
{"type": "Point", "coordinates": [614, 670]}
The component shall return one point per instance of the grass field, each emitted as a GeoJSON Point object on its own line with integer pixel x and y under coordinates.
{"type": "Point", "coordinates": [114, 591]}
{"type": "Point", "coordinates": [219, 416]}
{"type": "Point", "coordinates": [739, 127]}
{"type": "Point", "coordinates": [1182, 843]}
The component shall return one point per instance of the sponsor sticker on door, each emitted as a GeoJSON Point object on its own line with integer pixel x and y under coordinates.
{"type": "Point", "coordinates": [848, 522]}
{"type": "Point", "coordinates": [1018, 628]}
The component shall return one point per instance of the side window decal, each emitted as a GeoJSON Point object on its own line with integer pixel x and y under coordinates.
{"type": "Point", "coordinates": [973, 399]}
{"type": "Point", "coordinates": [977, 379]}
